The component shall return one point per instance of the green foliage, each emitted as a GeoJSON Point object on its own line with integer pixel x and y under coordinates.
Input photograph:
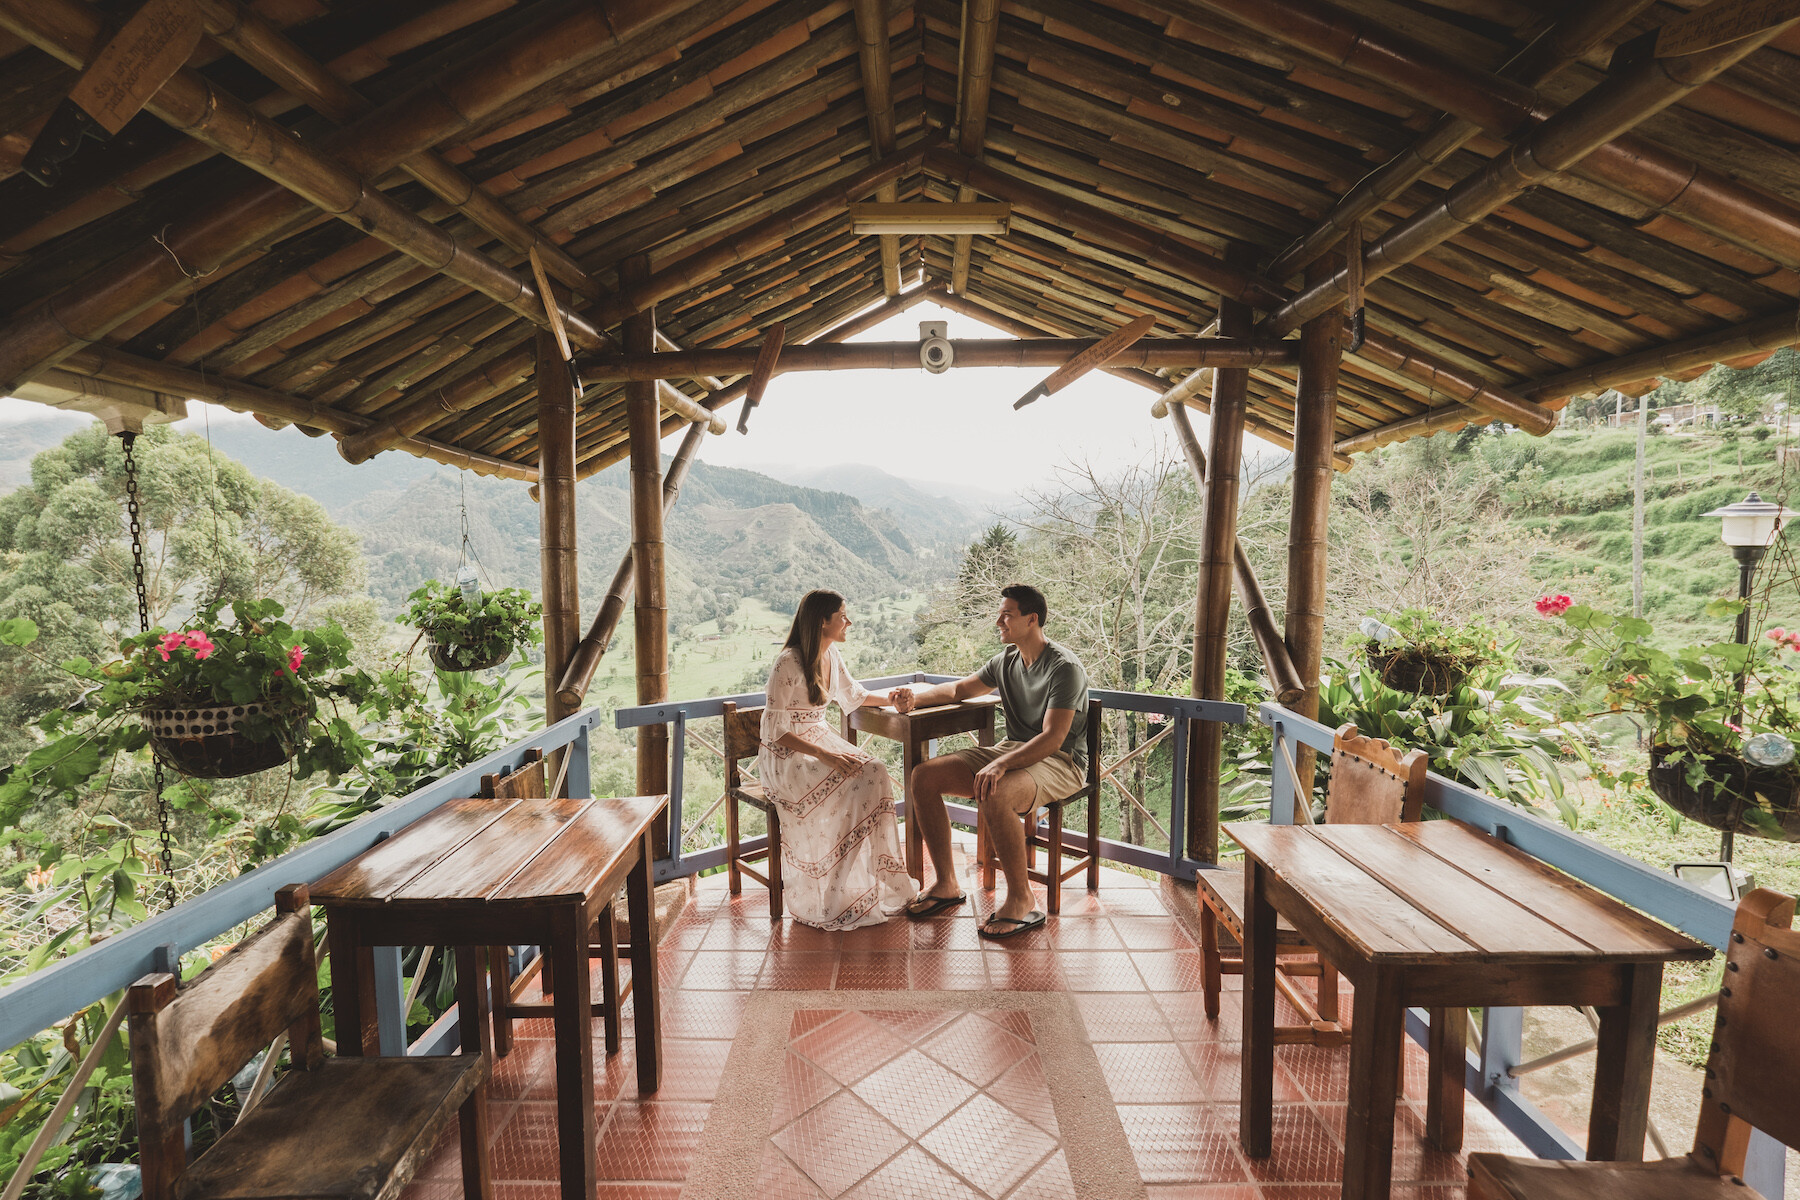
{"type": "Point", "coordinates": [498, 622]}
{"type": "Point", "coordinates": [1453, 648]}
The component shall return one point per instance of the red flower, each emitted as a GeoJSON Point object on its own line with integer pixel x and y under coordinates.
{"type": "Point", "coordinates": [1553, 606]}
{"type": "Point", "coordinates": [295, 657]}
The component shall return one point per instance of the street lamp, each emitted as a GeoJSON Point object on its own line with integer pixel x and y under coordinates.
{"type": "Point", "coordinates": [1750, 527]}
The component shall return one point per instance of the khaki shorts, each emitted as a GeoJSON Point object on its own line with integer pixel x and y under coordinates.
{"type": "Point", "coordinates": [1057, 777]}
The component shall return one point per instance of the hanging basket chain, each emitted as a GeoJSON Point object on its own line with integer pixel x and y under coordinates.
{"type": "Point", "coordinates": [128, 439]}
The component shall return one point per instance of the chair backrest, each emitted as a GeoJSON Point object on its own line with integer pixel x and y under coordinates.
{"type": "Point", "coordinates": [1095, 712]}
{"type": "Point", "coordinates": [1755, 1056]}
{"type": "Point", "coordinates": [188, 1038]}
{"type": "Point", "coordinates": [1372, 783]}
{"type": "Point", "coordinates": [526, 783]}
{"type": "Point", "coordinates": [743, 739]}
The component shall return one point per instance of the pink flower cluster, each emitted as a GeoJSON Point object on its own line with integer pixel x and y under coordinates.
{"type": "Point", "coordinates": [193, 639]}
{"type": "Point", "coordinates": [296, 656]}
{"type": "Point", "coordinates": [1785, 637]}
{"type": "Point", "coordinates": [1553, 606]}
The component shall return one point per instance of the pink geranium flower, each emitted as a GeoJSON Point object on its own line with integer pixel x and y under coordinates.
{"type": "Point", "coordinates": [199, 643]}
{"type": "Point", "coordinates": [1785, 637]}
{"type": "Point", "coordinates": [1553, 606]}
{"type": "Point", "coordinates": [171, 641]}
{"type": "Point", "coordinates": [295, 657]}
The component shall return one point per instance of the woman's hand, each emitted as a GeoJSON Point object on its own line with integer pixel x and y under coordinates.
{"type": "Point", "coordinates": [843, 764]}
{"type": "Point", "coordinates": [902, 699]}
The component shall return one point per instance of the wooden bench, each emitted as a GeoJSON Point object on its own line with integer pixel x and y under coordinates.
{"type": "Point", "coordinates": [355, 1128]}
{"type": "Point", "coordinates": [1752, 1073]}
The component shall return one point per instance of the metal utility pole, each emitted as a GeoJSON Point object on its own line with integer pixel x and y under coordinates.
{"type": "Point", "coordinates": [1637, 511]}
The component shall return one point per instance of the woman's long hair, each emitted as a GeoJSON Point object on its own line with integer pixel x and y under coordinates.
{"type": "Point", "coordinates": [804, 638]}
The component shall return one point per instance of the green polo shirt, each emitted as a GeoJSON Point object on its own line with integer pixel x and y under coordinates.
{"type": "Point", "coordinates": [1056, 680]}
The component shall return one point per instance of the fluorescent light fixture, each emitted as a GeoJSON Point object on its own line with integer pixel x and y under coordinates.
{"type": "Point", "coordinates": [981, 218]}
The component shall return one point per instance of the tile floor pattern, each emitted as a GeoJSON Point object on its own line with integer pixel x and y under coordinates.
{"type": "Point", "coordinates": [873, 1104]}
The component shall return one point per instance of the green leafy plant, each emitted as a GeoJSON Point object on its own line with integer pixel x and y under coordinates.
{"type": "Point", "coordinates": [1689, 698]}
{"type": "Point", "coordinates": [303, 680]}
{"type": "Point", "coordinates": [475, 634]}
{"type": "Point", "coordinates": [1417, 651]}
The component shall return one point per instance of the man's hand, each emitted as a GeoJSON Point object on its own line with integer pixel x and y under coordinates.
{"type": "Point", "coordinates": [987, 779]}
{"type": "Point", "coordinates": [902, 699]}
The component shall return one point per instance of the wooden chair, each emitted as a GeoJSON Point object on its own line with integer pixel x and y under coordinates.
{"type": "Point", "coordinates": [1371, 784]}
{"type": "Point", "coordinates": [530, 782]}
{"type": "Point", "coordinates": [743, 739]}
{"type": "Point", "coordinates": [343, 1128]}
{"type": "Point", "coordinates": [1750, 1075]}
{"type": "Point", "coordinates": [1052, 840]}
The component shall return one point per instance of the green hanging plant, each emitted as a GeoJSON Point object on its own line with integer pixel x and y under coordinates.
{"type": "Point", "coordinates": [469, 637]}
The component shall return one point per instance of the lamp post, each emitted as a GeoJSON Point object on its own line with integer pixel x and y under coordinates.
{"type": "Point", "coordinates": [1750, 527]}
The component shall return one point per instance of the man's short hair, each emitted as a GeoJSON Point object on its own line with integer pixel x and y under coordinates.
{"type": "Point", "coordinates": [1029, 599]}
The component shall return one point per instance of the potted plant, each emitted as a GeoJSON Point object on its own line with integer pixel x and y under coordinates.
{"type": "Point", "coordinates": [1719, 757]}
{"type": "Point", "coordinates": [469, 635]}
{"type": "Point", "coordinates": [1414, 651]}
{"type": "Point", "coordinates": [212, 699]}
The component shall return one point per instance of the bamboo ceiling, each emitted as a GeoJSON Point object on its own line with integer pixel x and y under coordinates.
{"type": "Point", "coordinates": [1545, 218]}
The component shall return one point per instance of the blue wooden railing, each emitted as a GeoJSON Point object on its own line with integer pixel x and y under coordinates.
{"type": "Point", "coordinates": [1181, 709]}
{"type": "Point", "coordinates": [1658, 893]}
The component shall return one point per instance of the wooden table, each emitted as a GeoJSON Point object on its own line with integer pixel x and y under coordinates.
{"type": "Point", "coordinates": [914, 730]}
{"type": "Point", "coordinates": [1439, 915]}
{"type": "Point", "coordinates": [477, 873]}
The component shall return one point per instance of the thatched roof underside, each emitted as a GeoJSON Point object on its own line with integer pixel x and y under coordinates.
{"type": "Point", "coordinates": [709, 118]}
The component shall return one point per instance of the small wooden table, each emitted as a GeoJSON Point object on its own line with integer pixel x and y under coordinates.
{"type": "Point", "coordinates": [913, 731]}
{"type": "Point", "coordinates": [1439, 915]}
{"type": "Point", "coordinates": [477, 873]}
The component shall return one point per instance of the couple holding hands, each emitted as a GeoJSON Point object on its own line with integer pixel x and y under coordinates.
{"type": "Point", "coordinates": [842, 862]}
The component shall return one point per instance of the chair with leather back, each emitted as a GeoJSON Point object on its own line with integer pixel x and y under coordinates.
{"type": "Point", "coordinates": [1051, 839]}
{"type": "Point", "coordinates": [743, 739]}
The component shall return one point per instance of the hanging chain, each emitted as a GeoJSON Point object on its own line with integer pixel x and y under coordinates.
{"type": "Point", "coordinates": [128, 438]}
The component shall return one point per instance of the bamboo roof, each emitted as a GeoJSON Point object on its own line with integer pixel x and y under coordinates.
{"type": "Point", "coordinates": [1561, 215]}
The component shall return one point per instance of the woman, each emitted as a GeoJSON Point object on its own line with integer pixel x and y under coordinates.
{"type": "Point", "coordinates": [841, 861]}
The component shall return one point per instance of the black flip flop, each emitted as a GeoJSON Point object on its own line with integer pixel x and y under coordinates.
{"type": "Point", "coordinates": [1032, 920]}
{"type": "Point", "coordinates": [937, 905]}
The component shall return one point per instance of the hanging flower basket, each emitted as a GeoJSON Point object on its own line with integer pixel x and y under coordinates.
{"type": "Point", "coordinates": [1407, 669]}
{"type": "Point", "coordinates": [457, 656]}
{"type": "Point", "coordinates": [209, 741]}
{"type": "Point", "coordinates": [1732, 795]}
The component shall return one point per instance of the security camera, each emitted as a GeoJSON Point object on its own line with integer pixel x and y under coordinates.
{"type": "Point", "coordinates": [935, 351]}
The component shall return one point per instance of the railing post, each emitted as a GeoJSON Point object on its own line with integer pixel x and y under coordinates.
{"type": "Point", "coordinates": [1502, 1046]}
{"type": "Point", "coordinates": [390, 1001]}
{"type": "Point", "coordinates": [677, 779]}
{"type": "Point", "coordinates": [1281, 784]}
{"type": "Point", "coordinates": [577, 768]}
{"type": "Point", "coordinates": [1765, 1165]}
{"type": "Point", "coordinates": [1178, 796]}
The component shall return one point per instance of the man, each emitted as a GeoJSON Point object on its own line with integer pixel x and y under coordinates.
{"type": "Point", "coordinates": [1043, 693]}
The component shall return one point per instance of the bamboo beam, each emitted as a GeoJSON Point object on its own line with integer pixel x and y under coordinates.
{"type": "Point", "coordinates": [556, 518]}
{"type": "Point", "coordinates": [651, 609]}
{"type": "Point", "coordinates": [875, 55]}
{"type": "Point", "coordinates": [259, 43]}
{"type": "Point", "coordinates": [1284, 678]}
{"type": "Point", "coordinates": [105, 362]}
{"type": "Point", "coordinates": [974, 89]}
{"type": "Point", "coordinates": [1212, 602]}
{"type": "Point", "coordinates": [1720, 345]}
{"type": "Point", "coordinates": [1622, 100]}
{"type": "Point", "coordinates": [745, 242]}
{"type": "Point", "coordinates": [1436, 420]}
{"type": "Point", "coordinates": [243, 219]}
{"type": "Point", "coordinates": [1486, 399]}
{"type": "Point", "coordinates": [1629, 165]}
{"type": "Point", "coordinates": [575, 682]}
{"type": "Point", "coordinates": [1559, 46]}
{"type": "Point", "coordinates": [994, 352]}
{"type": "Point", "coordinates": [1315, 429]}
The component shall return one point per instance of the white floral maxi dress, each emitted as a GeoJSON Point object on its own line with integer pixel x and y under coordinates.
{"type": "Point", "coordinates": [841, 861]}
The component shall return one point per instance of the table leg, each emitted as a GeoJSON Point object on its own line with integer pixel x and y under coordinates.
{"type": "Point", "coordinates": [646, 989]}
{"type": "Point", "coordinates": [1444, 1086]}
{"type": "Point", "coordinates": [572, 1014]}
{"type": "Point", "coordinates": [352, 985]}
{"type": "Point", "coordinates": [476, 1037]}
{"type": "Point", "coordinates": [1374, 1082]}
{"type": "Point", "coordinates": [915, 836]}
{"type": "Point", "coordinates": [1256, 1107]}
{"type": "Point", "coordinates": [1623, 1063]}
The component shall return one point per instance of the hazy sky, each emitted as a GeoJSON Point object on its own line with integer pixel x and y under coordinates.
{"type": "Point", "coordinates": [957, 426]}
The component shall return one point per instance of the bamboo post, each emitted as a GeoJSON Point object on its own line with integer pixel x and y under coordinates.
{"type": "Point", "coordinates": [651, 611]}
{"type": "Point", "coordinates": [1284, 678]}
{"type": "Point", "coordinates": [556, 516]}
{"type": "Point", "coordinates": [593, 647]}
{"type": "Point", "coordinates": [1315, 428]}
{"type": "Point", "coordinates": [1212, 608]}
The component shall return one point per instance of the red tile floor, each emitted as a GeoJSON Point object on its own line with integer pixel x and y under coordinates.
{"type": "Point", "coordinates": [872, 1103]}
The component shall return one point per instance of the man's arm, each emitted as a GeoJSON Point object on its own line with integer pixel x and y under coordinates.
{"type": "Point", "coordinates": [945, 693]}
{"type": "Point", "coordinates": [1057, 722]}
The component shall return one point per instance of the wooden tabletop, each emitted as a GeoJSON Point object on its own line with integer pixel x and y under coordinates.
{"type": "Point", "coordinates": [495, 852]}
{"type": "Point", "coordinates": [923, 724]}
{"type": "Point", "coordinates": [1441, 891]}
